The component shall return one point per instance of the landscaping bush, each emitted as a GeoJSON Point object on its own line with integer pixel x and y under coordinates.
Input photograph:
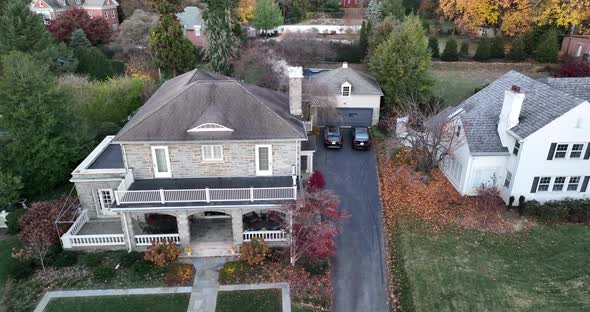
{"type": "Point", "coordinates": [316, 267]}
{"type": "Point", "coordinates": [483, 52]}
{"type": "Point", "coordinates": [316, 182]}
{"type": "Point", "coordinates": [450, 51]}
{"type": "Point", "coordinates": [142, 267]}
{"type": "Point", "coordinates": [521, 205]}
{"type": "Point", "coordinates": [162, 254]}
{"type": "Point", "coordinates": [573, 68]}
{"type": "Point", "coordinates": [103, 273]}
{"type": "Point", "coordinates": [548, 49]}
{"type": "Point", "coordinates": [65, 258]}
{"type": "Point", "coordinates": [510, 202]}
{"type": "Point", "coordinates": [433, 45]}
{"type": "Point", "coordinates": [232, 271]}
{"type": "Point", "coordinates": [127, 260]}
{"type": "Point", "coordinates": [254, 252]}
{"type": "Point", "coordinates": [91, 260]}
{"type": "Point", "coordinates": [12, 220]}
{"type": "Point", "coordinates": [464, 50]}
{"type": "Point", "coordinates": [568, 210]}
{"type": "Point", "coordinates": [497, 49]}
{"type": "Point", "coordinates": [180, 274]}
{"type": "Point", "coordinates": [23, 270]}
{"type": "Point", "coordinates": [518, 50]}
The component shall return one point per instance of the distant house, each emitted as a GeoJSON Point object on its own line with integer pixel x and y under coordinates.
{"type": "Point", "coordinates": [576, 46]}
{"type": "Point", "coordinates": [52, 9]}
{"type": "Point", "coordinates": [193, 26]}
{"type": "Point", "coordinates": [527, 137]}
{"type": "Point", "coordinates": [488, 31]}
{"type": "Point", "coordinates": [349, 3]}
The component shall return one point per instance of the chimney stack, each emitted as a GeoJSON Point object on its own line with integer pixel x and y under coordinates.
{"type": "Point", "coordinates": [510, 114]}
{"type": "Point", "coordinates": [295, 90]}
{"type": "Point", "coordinates": [345, 65]}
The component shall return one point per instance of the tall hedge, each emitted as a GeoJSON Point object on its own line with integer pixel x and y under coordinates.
{"type": "Point", "coordinates": [548, 49]}
{"type": "Point", "coordinates": [568, 210]}
{"type": "Point", "coordinates": [483, 52]}
{"type": "Point", "coordinates": [433, 46]}
{"type": "Point", "coordinates": [518, 50]}
{"type": "Point", "coordinates": [497, 49]}
{"type": "Point", "coordinates": [464, 50]}
{"type": "Point", "coordinates": [450, 52]}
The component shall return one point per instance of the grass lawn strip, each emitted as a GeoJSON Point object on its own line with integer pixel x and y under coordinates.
{"type": "Point", "coordinates": [260, 300]}
{"type": "Point", "coordinates": [6, 260]}
{"type": "Point", "coordinates": [135, 303]}
{"type": "Point", "coordinates": [543, 269]}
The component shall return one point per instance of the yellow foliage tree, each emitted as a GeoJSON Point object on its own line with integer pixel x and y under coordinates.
{"type": "Point", "coordinates": [246, 10]}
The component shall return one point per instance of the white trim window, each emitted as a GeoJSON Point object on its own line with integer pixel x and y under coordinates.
{"type": "Point", "coordinates": [264, 160]}
{"type": "Point", "coordinates": [558, 184]}
{"type": "Point", "coordinates": [573, 184]}
{"type": "Point", "coordinates": [544, 183]}
{"type": "Point", "coordinates": [212, 153]}
{"type": "Point", "coordinates": [576, 151]}
{"type": "Point", "coordinates": [113, 14]}
{"type": "Point", "coordinates": [161, 162]}
{"type": "Point", "coordinates": [346, 89]}
{"type": "Point", "coordinates": [508, 179]}
{"type": "Point", "coordinates": [106, 199]}
{"type": "Point", "coordinates": [106, 14]}
{"type": "Point", "coordinates": [560, 151]}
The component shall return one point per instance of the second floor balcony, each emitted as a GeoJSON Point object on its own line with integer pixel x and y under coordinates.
{"type": "Point", "coordinates": [206, 190]}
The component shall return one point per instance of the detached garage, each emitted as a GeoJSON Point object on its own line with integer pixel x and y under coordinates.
{"type": "Point", "coordinates": [346, 97]}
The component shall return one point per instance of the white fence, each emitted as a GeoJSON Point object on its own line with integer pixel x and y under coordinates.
{"type": "Point", "coordinates": [3, 215]}
{"type": "Point", "coordinates": [205, 195]}
{"type": "Point", "coordinates": [146, 240]}
{"type": "Point", "coordinates": [70, 239]}
{"type": "Point", "coordinates": [267, 236]}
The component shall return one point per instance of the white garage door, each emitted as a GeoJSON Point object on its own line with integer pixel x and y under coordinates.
{"type": "Point", "coordinates": [346, 117]}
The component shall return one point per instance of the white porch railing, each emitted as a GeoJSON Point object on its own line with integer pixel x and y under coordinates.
{"type": "Point", "coordinates": [97, 240]}
{"type": "Point", "coordinates": [267, 236]}
{"type": "Point", "coordinates": [79, 223]}
{"type": "Point", "coordinates": [206, 195]}
{"type": "Point", "coordinates": [3, 215]}
{"type": "Point", "coordinates": [146, 240]}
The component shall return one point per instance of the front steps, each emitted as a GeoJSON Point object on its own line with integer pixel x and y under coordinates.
{"type": "Point", "coordinates": [211, 249]}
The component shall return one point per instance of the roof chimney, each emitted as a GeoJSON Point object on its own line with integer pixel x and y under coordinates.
{"type": "Point", "coordinates": [511, 108]}
{"type": "Point", "coordinates": [345, 65]}
{"type": "Point", "coordinates": [295, 90]}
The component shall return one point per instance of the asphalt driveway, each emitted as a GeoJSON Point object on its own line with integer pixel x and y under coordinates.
{"type": "Point", "coordinates": [359, 275]}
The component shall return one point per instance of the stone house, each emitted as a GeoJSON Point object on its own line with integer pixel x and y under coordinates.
{"type": "Point", "coordinates": [207, 162]}
{"type": "Point", "coordinates": [52, 9]}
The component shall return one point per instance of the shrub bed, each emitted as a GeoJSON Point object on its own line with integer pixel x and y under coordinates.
{"type": "Point", "coordinates": [568, 210]}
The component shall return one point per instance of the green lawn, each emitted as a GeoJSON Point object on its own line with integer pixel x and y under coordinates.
{"type": "Point", "coordinates": [264, 300]}
{"type": "Point", "coordinates": [6, 261]}
{"type": "Point", "coordinates": [544, 269]}
{"type": "Point", "coordinates": [139, 303]}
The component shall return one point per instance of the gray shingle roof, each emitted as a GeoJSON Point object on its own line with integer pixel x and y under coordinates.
{"type": "Point", "coordinates": [332, 81]}
{"type": "Point", "coordinates": [579, 87]}
{"type": "Point", "coordinates": [190, 17]}
{"type": "Point", "coordinates": [199, 97]}
{"type": "Point", "coordinates": [542, 104]}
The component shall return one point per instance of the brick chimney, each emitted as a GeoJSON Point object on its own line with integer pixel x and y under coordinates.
{"type": "Point", "coordinates": [295, 90]}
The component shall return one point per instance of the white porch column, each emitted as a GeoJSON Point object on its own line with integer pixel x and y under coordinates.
{"type": "Point", "coordinates": [183, 229]}
{"type": "Point", "coordinates": [237, 227]}
{"type": "Point", "coordinates": [127, 224]}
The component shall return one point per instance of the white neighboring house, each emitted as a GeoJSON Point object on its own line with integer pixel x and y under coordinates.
{"type": "Point", "coordinates": [351, 97]}
{"type": "Point", "coordinates": [529, 137]}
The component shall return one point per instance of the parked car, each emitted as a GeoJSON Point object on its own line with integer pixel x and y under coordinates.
{"type": "Point", "coordinates": [361, 138]}
{"type": "Point", "coordinates": [332, 137]}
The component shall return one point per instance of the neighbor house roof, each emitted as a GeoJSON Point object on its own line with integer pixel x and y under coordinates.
{"type": "Point", "coordinates": [190, 17]}
{"type": "Point", "coordinates": [579, 87]}
{"type": "Point", "coordinates": [543, 103]}
{"type": "Point", "coordinates": [330, 82]}
{"type": "Point", "coordinates": [199, 97]}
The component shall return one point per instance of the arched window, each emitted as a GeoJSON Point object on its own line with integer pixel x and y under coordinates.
{"type": "Point", "coordinates": [210, 127]}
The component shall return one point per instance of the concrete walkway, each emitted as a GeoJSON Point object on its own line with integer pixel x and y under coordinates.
{"type": "Point", "coordinates": [204, 292]}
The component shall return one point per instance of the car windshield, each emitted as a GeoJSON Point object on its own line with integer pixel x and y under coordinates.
{"type": "Point", "coordinates": [362, 134]}
{"type": "Point", "coordinates": [333, 131]}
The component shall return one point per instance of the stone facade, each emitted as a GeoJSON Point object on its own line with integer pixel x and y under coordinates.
{"type": "Point", "coordinates": [238, 159]}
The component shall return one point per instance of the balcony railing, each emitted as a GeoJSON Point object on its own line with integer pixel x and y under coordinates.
{"type": "Point", "coordinates": [206, 195]}
{"type": "Point", "coordinates": [267, 236]}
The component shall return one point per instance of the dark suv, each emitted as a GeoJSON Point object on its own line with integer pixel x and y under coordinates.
{"type": "Point", "coordinates": [332, 137]}
{"type": "Point", "coordinates": [361, 138]}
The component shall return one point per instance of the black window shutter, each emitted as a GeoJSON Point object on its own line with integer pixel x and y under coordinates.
{"type": "Point", "coordinates": [587, 155]}
{"type": "Point", "coordinates": [585, 184]}
{"type": "Point", "coordinates": [551, 151]}
{"type": "Point", "coordinates": [535, 183]}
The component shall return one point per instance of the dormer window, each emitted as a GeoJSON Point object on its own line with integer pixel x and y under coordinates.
{"type": "Point", "coordinates": [346, 88]}
{"type": "Point", "coordinates": [210, 127]}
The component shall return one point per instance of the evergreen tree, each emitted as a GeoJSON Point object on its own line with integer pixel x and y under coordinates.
{"type": "Point", "coordinates": [20, 29]}
{"type": "Point", "coordinates": [394, 8]}
{"type": "Point", "coordinates": [222, 41]}
{"type": "Point", "coordinates": [79, 40]}
{"type": "Point", "coordinates": [464, 50]}
{"type": "Point", "coordinates": [267, 15]}
{"type": "Point", "coordinates": [433, 46]}
{"type": "Point", "coordinates": [45, 139]}
{"type": "Point", "coordinates": [94, 63]}
{"type": "Point", "coordinates": [171, 51]}
{"type": "Point", "coordinates": [518, 50]}
{"type": "Point", "coordinates": [401, 62]}
{"type": "Point", "coordinates": [450, 51]}
{"type": "Point", "coordinates": [497, 49]}
{"type": "Point", "coordinates": [59, 57]}
{"type": "Point", "coordinates": [374, 12]}
{"type": "Point", "coordinates": [483, 52]}
{"type": "Point", "coordinates": [364, 38]}
{"type": "Point", "coordinates": [548, 49]}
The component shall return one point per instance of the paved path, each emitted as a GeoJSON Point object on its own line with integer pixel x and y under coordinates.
{"type": "Point", "coordinates": [359, 274]}
{"type": "Point", "coordinates": [204, 293]}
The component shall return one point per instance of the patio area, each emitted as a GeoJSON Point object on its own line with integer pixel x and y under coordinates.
{"type": "Point", "coordinates": [101, 226]}
{"type": "Point", "coordinates": [211, 230]}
